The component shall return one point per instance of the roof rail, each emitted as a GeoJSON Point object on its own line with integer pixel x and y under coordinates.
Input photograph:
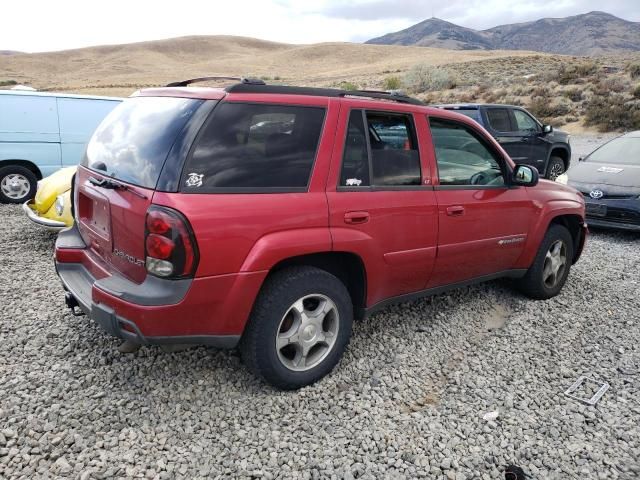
{"type": "Point", "coordinates": [394, 96]}
{"type": "Point", "coordinates": [245, 81]}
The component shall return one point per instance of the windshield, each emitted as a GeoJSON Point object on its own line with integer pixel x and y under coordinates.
{"type": "Point", "coordinates": [133, 141]}
{"type": "Point", "coordinates": [621, 151]}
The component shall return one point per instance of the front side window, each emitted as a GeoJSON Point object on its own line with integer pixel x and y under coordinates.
{"type": "Point", "coordinates": [255, 146]}
{"type": "Point", "coordinates": [499, 119]}
{"type": "Point", "coordinates": [381, 149]}
{"type": "Point", "coordinates": [463, 157]}
{"type": "Point", "coordinates": [524, 122]}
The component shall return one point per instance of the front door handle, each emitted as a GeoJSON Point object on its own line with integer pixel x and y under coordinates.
{"type": "Point", "coordinates": [455, 211]}
{"type": "Point", "coordinates": [353, 218]}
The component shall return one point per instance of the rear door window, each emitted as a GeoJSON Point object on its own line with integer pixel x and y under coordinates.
{"type": "Point", "coordinates": [255, 147]}
{"type": "Point", "coordinates": [499, 119]}
{"type": "Point", "coordinates": [383, 147]}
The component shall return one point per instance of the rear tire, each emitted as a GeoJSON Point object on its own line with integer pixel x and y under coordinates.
{"type": "Point", "coordinates": [17, 184]}
{"type": "Point", "coordinates": [299, 328]}
{"type": "Point", "coordinates": [550, 269]}
{"type": "Point", "coordinates": [556, 168]}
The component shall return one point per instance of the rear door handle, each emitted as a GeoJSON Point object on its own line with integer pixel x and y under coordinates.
{"type": "Point", "coordinates": [353, 218]}
{"type": "Point", "coordinates": [455, 211]}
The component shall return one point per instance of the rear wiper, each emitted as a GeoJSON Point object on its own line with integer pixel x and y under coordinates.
{"type": "Point", "coordinates": [113, 185]}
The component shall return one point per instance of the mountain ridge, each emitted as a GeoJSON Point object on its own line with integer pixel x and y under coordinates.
{"type": "Point", "coordinates": [593, 33]}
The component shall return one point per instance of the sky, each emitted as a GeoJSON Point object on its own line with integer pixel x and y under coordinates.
{"type": "Point", "coordinates": [46, 25]}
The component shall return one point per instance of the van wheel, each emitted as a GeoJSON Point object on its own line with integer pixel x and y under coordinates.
{"type": "Point", "coordinates": [555, 168]}
{"type": "Point", "coordinates": [299, 328]}
{"type": "Point", "coordinates": [17, 184]}
{"type": "Point", "coordinates": [550, 269]}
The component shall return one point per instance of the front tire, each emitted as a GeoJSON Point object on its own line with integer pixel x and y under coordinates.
{"type": "Point", "coordinates": [556, 168]}
{"type": "Point", "coordinates": [299, 328]}
{"type": "Point", "coordinates": [550, 269]}
{"type": "Point", "coordinates": [17, 184]}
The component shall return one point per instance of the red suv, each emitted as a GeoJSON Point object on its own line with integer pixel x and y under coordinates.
{"type": "Point", "coordinates": [269, 217]}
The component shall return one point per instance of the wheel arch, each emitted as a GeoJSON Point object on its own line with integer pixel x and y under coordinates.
{"type": "Point", "coordinates": [346, 266]}
{"type": "Point", "coordinates": [574, 223]}
{"type": "Point", "coordinates": [561, 152]}
{"type": "Point", "coordinates": [29, 165]}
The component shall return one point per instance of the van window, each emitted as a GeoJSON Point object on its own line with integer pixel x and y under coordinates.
{"type": "Point", "coordinates": [247, 147]}
{"type": "Point", "coordinates": [133, 141]}
{"type": "Point", "coordinates": [28, 114]}
{"type": "Point", "coordinates": [79, 117]}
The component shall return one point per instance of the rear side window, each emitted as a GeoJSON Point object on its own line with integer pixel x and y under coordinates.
{"type": "Point", "coordinates": [380, 146]}
{"type": "Point", "coordinates": [472, 113]}
{"type": "Point", "coordinates": [248, 147]}
{"type": "Point", "coordinates": [499, 119]}
{"type": "Point", "coordinates": [133, 141]}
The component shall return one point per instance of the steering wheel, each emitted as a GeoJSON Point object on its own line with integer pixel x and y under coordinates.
{"type": "Point", "coordinates": [480, 178]}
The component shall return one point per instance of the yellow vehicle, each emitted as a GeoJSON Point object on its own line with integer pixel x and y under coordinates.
{"type": "Point", "coordinates": [51, 207]}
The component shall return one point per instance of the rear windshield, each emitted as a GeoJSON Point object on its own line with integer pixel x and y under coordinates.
{"type": "Point", "coordinates": [255, 147]}
{"type": "Point", "coordinates": [133, 141]}
{"type": "Point", "coordinates": [621, 150]}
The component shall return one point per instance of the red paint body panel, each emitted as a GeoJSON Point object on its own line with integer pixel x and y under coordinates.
{"type": "Point", "coordinates": [408, 239]}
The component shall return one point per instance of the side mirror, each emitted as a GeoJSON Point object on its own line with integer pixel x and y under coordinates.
{"type": "Point", "coordinates": [547, 129]}
{"type": "Point", "coordinates": [525, 175]}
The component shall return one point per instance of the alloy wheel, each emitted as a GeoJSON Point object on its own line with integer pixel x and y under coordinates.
{"type": "Point", "coordinates": [555, 263]}
{"type": "Point", "coordinates": [307, 332]}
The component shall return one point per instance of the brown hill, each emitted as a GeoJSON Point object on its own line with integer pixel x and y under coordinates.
{"type": "Point", "coordinates": [120, 69]}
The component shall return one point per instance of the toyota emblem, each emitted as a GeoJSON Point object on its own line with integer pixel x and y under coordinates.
{"type": "Point", "coordinates": [596, 194]}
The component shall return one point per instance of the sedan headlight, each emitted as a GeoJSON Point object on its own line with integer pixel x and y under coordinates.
{"type": "Point", "coordinates": [59, 205]}
{"type": "Point", "coordinates": [563, 179]}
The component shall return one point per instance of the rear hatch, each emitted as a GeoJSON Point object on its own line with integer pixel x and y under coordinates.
{"type": "Point", "coordinates": [118, 175]}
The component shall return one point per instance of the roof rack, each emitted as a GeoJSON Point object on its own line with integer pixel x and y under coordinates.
{"type": "Point", "coordinates": [394, 96]}
{"type": "Point", "coordinates": [245, 81]}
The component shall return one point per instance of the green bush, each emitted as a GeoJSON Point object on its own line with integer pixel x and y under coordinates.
{"type": "Point", "coordinates": [612, 113]}
{"type": "Point", "coordinates": [573, 94]}
{"type": "Point", "coordinates": [569, 73]}
{"type": "Point", "coordinates": [426, 78]}
{"type": "Point", "coordinates": [634, 69]}
{"type": "Point", "coordinates": [636, 91]}
{"type": "Point", "coordinates": [7, 83]}
{"type": "Point", "coordinates": [392, 83]}
{"type": "Point", "coordinates": [348, 86]}
{"type": "Point", "coordinates": [547, 110]}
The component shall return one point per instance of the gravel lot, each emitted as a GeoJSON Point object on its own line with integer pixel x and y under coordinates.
{"type": "Point", "coordinates": [407, 401]}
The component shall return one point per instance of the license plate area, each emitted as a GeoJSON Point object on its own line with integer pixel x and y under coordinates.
{"type": "Point", "coordinates": [596, 210]}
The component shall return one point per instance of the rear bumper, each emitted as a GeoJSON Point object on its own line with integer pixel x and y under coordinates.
{"type": "Point", "coordinates": [47, 223]}
{"type": "Point", "coordinates": [205, 311]}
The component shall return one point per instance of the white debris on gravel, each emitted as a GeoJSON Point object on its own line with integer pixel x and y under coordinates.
{"type": "Point", "coordinates": [406, 401]}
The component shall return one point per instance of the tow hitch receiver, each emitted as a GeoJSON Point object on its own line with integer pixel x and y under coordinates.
{"type": "Point", "coordinates": [72, 303]}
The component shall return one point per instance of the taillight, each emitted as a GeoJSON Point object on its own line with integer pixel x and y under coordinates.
{"type": "Point", "coordinates": [170, 247]}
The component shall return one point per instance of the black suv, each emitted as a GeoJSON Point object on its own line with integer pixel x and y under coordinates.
{"type": "Point", "coordinates": [525, 139]}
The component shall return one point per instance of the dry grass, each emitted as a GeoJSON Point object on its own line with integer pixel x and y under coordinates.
{"type": "Point", "coordinates": [560, 89]}
{"type": "Point", "coordinates": [120, 69]}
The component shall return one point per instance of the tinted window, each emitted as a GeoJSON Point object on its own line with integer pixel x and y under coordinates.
{"type": "Point", "coordinates": [462, 155]}
{"type": "Point", "coordinates": [499, 119]}
{"type": "Point", "coordinates": [255, 146]}
{"type": "Point", "coordinates": [394, 150]}
{"type": "Point", "coordinates": [355, 161]}
{"type": "Point", "coordinates": [133, 141]}
{"type": "Point", "coordinates": [621, 150]}
{"type": "Point", "coordinates": [524, 122]}
{"type": "Point", "coordinates": [472, 113]}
